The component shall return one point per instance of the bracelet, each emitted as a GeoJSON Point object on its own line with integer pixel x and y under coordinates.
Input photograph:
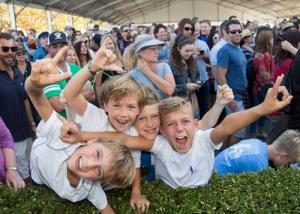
{"type": "Point", "coordinates": [93, 73]}
{"type": "Point", "coordinates": [13, 168]}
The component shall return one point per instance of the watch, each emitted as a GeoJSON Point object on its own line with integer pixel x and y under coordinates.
{"type": "Point", "coordinates": [12, 168]}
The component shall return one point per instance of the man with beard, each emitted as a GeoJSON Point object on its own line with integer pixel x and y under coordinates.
{"type": "Point", "coordinates": [14, 107]}
{"type": "Point", "coordinates": [231, 63]}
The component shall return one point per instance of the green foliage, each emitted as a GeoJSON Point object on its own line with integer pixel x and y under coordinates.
{"type": "Point", "coordinates": [271, 191]}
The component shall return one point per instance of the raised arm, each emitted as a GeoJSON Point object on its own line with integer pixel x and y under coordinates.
{"type": "Point", "coordinates": [238, 120]}
{"type": "Point", "coordinates": [70, 133]}
{"type": "Point", "coordinates": [101, 61]}
{"type": "Point", "coordinates": [224, 96]}
{"type": "Point", "coordinates": [44, 72]}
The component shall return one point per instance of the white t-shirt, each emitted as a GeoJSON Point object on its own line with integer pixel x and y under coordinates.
{"type": "Point", "coordinates": [48, 165]}
{"type": "Point", "coordinates": [190, 169]}
{"type": "Point", "coordinates": [214, 52]}
{"type": "Point", "coordinates": [95, 119]}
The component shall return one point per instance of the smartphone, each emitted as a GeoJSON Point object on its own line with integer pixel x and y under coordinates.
{"type": "Point", "coordinates": [199, 82]}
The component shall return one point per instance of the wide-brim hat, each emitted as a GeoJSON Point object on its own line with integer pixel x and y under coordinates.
{"type": "Point", "coordinates": [147, 42]}
{"type": "Point", "coordinates": [245, 33]}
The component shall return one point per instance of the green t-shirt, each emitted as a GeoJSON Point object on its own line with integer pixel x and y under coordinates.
{"type": "Point", "coordinates": [55, 90]}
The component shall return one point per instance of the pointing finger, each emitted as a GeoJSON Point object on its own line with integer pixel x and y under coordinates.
{"type": "Point", "coordinates": [60, 54]}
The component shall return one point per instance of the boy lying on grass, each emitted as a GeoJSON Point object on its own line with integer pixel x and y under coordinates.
{"type": "Point", "coordinates": [185, 155]}
{"type": "Point", "coordinates": [75, 172]}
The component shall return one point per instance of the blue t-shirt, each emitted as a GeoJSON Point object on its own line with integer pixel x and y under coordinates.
{"type": "Point", "coordinates": [246, 156]}
{"type": "Point", "coordinates": [234, 60]}
{"type": "Point", "coordinates": [12, 107]}
{"type": "Point", "coordinates": [40, 53]}
{"type": "Point", "coordinates": [162, 69]}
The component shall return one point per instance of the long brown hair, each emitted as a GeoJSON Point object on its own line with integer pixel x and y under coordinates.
{"type": "Point", "coordinates": [262, 42]}
{"type": "Point", "coordinates": [176, 59]}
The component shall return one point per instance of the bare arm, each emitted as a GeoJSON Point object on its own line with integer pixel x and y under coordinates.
{"type": "Point", "coordinates": [56, 104]}
{"type": "Point", "coordinates": [44, 72]}
{"type": "Point", "coordinates": [224, 96]}
{"type": "Point", "coordinates": [12, 177]}
{"type": "Point", "coordinates": [166, 84]}
{"type": "Point", "coordinates": [221, 75]}
{"type": "Point", "coordinates": [238, 120]}
{"type": "Point", "coordinates": [107, 210]}
{"type": "Point", "coordinates": [70, 133]}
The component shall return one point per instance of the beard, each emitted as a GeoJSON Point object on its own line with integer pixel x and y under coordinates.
{"type": "Point", "coordinates": [7, 60]}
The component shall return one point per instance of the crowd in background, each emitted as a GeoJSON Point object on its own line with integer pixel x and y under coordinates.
{"type": "Point", "coordinates": [189, 61]}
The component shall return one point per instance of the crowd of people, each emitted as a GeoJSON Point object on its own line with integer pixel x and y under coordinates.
{"type": "Point", "coordinates": [86, 112]}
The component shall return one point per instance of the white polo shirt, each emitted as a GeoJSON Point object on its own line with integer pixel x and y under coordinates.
{"type": "Point", "coordinates": [48, 165]}
{"type": "Point", "coordinates": [190, 169]}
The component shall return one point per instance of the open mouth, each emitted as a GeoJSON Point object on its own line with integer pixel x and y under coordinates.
{"type": "Point", "coordinates": [181, 142]}
{"type": "Point", "coordinates": [122, 122]}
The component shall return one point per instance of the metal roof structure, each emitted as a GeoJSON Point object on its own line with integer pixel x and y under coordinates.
{"type": "Point", "coordinates": [147, 11]}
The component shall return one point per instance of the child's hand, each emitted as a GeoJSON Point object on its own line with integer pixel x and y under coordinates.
{"type": "Point", "coordinates": [13, 178]}
{"type": "Point", "coordinates": [271, 102]}
{"type": "Point", "coordinates": [45, 72]}
{"type": "Point", "coordinates": [103, 58]}
{"type": "Point", "coordinates": [224, 95]}
{"type": "Point", "coordinates": [139, 202]}
{"type": "Point", "coordinates": [70, 132]}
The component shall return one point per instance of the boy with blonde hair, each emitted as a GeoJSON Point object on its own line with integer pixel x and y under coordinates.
{"type": "Point", "coordinates": [184, 155]}
{"type": "Point", "coordinates": [74, 171]}
{"type": "Point", "coordinates": [120, 96]}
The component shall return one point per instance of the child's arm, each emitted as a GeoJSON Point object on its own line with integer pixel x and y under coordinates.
{"type": "Point", "coordinates": [238, 120]}
{"type": "Point", "coordinates": [224, 96]}
{"type": "Point", "coordinates": [107, 210]}
{"type": "Point", "coordinates": [70, 133]}
{"type": "Point", "coordinates": [102, 60]}
{"type": "Point", "coordinates": [44, 72]}
{"type": "Point", "coordinates": [137, 200]}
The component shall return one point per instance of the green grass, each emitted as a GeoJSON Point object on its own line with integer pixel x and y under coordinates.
{"type": "Point", "coordinates": [271, 191]}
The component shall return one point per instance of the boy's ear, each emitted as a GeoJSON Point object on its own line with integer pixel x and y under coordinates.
{"type": "Point", "coordinates": [105, 107]}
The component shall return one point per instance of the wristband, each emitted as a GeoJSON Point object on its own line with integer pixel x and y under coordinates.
{"type": "Point", "coordinates": [93, 73]}
{"type": "Point", "coordinates": [13, 168]}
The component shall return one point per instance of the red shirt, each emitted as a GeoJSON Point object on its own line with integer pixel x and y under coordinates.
{"type": "Point", "coordinates": [282, 68]}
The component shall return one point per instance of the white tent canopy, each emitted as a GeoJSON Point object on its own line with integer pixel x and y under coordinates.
{"type": "Point", "coordinates": [169, 11]}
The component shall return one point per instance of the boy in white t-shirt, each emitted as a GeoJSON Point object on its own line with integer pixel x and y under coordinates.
{"type": "Point", "coordinates": [74, 171]}
{"type": "Point", "coordinates": [121, 97]}
{"type": "Point", "coordinates": [184, 155]}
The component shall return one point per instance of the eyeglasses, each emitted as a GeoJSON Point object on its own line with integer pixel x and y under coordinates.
{"type": "Point", "coordinates": [188, 29]}
{"type": "Point", "coordinates": [235, 31]}
{"type": "Point", "coordinates": [5, 49]}
{"type": "Point", "coordinates": [20, 53]}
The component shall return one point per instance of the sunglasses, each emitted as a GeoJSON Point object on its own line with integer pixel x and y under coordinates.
{"type": "Point", "coordinates": [188, 29]}
{"type": "Point", "coordinates": [5, 49]}
{"type": "Point", "coordinates": [235, 31]}
{"type": "Point", "coordinates": [125, 31]}
{"type": "Point", "coordinates": [20, 54]}
{"type": "Point", "coordinates": [216, 37]}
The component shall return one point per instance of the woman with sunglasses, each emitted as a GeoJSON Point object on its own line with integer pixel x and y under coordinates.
{"type": "Point", "coordinates": [186, 27]}
{"type": "Point", "coordinates": [21, 63]}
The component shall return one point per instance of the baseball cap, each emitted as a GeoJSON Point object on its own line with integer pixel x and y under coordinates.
{"type": "Point", "coordinates": [43, 34]}
{"type": "Point", "coordinates": [97, 38]}
{"type": "Point", "coordinates": [57, 37]}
